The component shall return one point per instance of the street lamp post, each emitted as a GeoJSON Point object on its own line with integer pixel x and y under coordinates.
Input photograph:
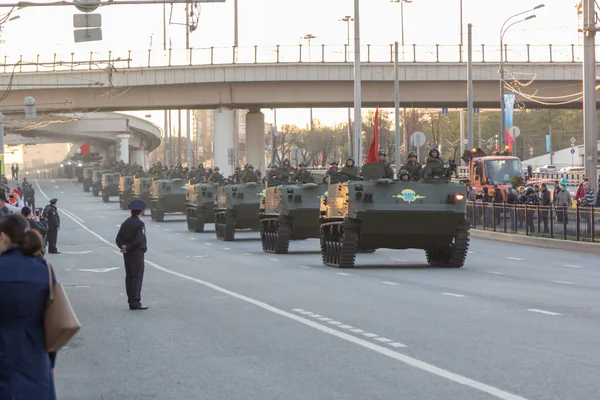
{"type": "Point", "coordinates": [309, 37]}
{"type": "Point", "coordinates": [503, 31]}
{"type": "Point", "coordinates": [347, 19]}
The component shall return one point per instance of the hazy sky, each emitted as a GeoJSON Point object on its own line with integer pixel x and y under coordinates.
{"type": "Point", "coordinates": [284, 22]}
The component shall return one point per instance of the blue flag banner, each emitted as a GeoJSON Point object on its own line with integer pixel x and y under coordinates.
{"type": "Point", "coordinates": [509, 108]}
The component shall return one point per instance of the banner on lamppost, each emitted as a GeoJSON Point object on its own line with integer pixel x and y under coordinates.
{"type": "Point", "coordinates": [509, 108]}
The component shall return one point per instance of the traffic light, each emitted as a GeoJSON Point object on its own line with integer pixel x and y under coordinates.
{"type": "Point", "coordinates": [506, 148]}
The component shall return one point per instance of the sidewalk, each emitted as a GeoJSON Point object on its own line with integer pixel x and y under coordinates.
{"type": "Point", "coordinates": [537, 241]}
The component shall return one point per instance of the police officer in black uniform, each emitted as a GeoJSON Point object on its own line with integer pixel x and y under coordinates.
{"type": "Point", "coordinates": [131, 240]}
{"type": "Point", "coordinates": [52, 218]}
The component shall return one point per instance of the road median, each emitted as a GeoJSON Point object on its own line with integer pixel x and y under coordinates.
{"type": "Point", "coordinates": [547, 243]}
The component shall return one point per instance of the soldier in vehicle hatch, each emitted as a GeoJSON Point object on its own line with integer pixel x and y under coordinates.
{"type": "Point", "coordinates": [285, 171]}
{"type": "Point", "coordinates": [271, 177]}
{"type": "Point", "coordinates": [249, 175]}
{"type": "Point", "coordinates": [404, 175]}
{"type": "Point", "coordinates": [434, 156]}
{"type": "Point", "coordinates": [350, 170]}
{"type": "Point", "coordinates": [237, 175]}
{"type": "Point", "coordinates": [216, 176]}
{"type": "Point", "coordinates": [389, 173]}
{"type": "Point", "coordinates": [303, 175]}
{"type": "Point", "coordinates": [333, 174]}
{"type": "Point", "coordinates": [412, 166]}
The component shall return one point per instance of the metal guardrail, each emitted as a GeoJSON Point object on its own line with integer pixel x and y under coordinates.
{"type": "Point", "coordinates": [415, 53]}
{"type": "Point", "coordinates": [567, 223]}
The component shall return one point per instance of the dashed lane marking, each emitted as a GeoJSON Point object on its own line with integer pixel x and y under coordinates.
{"type": "Point", "coordinates": [369, 334]}
{"type": "Point", "coordinates": [208, 244]}
{"type": "Point", "coordinates": [564, 282]}
{"type": "Point", "coordinates": [454, 294]}
{"type": "Point", "coordinates": [247, 254]}
{"type": "Point", "coordinates": [305, 312]}
{"type": "Point", "coordinates": [304, 266]}
{"type": "Point", "coordinates": [471, 252]}
{"type": "Point", "coordinates": [397, 345]}
{"type": "Point", "coordinates": [572, 266]}
{"type": "Point", "coordinates": [345, 326]}
{"type": "Point", "coordinates": [383, 340]}
{"type": "Point", "coordinates": [495, 273]}
{"type": "Point", "coordinates": [515, 258]}
{"type": "Point", "coordinates": [335, 322]}
{"type": "Point", "coordinates": [200, 256]}
{"type": "Point", "coordinates": [356, 330]}
{"type": "Point", "coordinates": [226, 248]}
{"type": "Point", "coordinates": [344, 274]}
{"type": "Point", "coordinates": [414, 362]}
{"type": "Point", "coordinates": [535, 310]}
{"type": "Point", "coordinates": [273, 259]}
{"type": "Point", "coordinates": [390, 283]}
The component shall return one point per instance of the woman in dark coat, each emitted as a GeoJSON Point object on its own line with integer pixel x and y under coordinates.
{"type": "Point", "coordinates": [25, 365]}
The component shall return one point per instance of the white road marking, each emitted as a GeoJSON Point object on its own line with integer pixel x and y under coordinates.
{"type": "Point", "coordinates": [572, 266]}
{"type": "Point", "coordinates": [369, 334]}
{"type": "Point", "coordinates": [247, 254]}
{"type": "Point", "coordinates": [167, 229]}
{"type": "Point", "coordinates": [208, 244]}
{"type": "Point", "coordinates": [397, 345]}
{"type": "Point", "coordinates": [62, 192]}
{"type": "Point", "coordinates": [344, 274]}
{"type": "Point", "coordinates": [226, 248]}
{"type": "Point", "coordinates": [68, 269]}
{"type": "Point", "coordinates": [324, 319]}
{"type": "Point", "coordinates": [454, 294]}
{"type": "Point", "coordinates": [273, 259]}
{"type": "Point", "coordinates": [192, 238]}
{"type": "Point", "coordinates": [335, 322]}
{"type": "Point", "coordinates": [535, 310]}
{"type": "Point", "coordinates": [99, 270]}
{"type": "Point", "coordinates": [390, 283]}
{"type": "Point", "coordinates": [72, 215]}
{"type": "Point", "coordinates": [77, 252]}
{"type": "Point", "coordinates": [356, 330]}
{"type": "Point", "coordinates": [397, 259]}
{"type": "Point", "coordinates": [118, 226]}
{"type": "Point", "coordinates": [345, 326]}
{"type": "Point", "coordinates": [179, 233]}
{"type": "Point", "coordinates": [471, 252]}
{"type": "Point", "coordinates": [101, 216]}
{"type": "Point", "coordinates": [304, 266]}
{"type": "Point", "coordinates": [76, 287]}
{"type": "Point", "coordinates": [564, 282]}
{"type": "Point", "coordinates": [316, 316]}
{"type": "Point", "coordinates": [383, 340]}
{"type": "Point", "coordinates": [200, 256]}
{"type": "Point", "coordinates": [297, 309]}
{"type": "Point", "coordinates": [495, 273]}
{"type": "Point", "coordinates": [515, 258]}
{"type": "Point", "coordinates": [416, 363]}
{"type": "Point", "coordinates": [305, 312]}
{"type": "Point", "coordinates": [157, 226]}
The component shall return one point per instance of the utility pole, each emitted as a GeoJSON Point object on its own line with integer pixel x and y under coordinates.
{"type": "Point", "coordinates": [188, 142]}
{"type": "Point", "coordinates": [470, 84]}
{"type": "Point", "coordinates": [187, 26]}
{"type": "Point", "coordinates": [236, 42]}
{"type": "Point", "coordinates": [347, 19]}
{"type": "Point", "coordinates": [166, 117]}
{"type": "Point", "coordinates": [179, 136]}
{"type": "Point", "coordinates": [479, 128]}
{"type": "Point", "coordinates": [590, 140]}
{"type": "Point", "coordinates": [357, 88]}
{"type": "Point", "coordinates": [397, 105]}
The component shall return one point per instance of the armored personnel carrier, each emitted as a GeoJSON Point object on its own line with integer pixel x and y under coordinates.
{"type": "Point", "coordinates": [167, 196]}
{"type": "Point", "coordinates": [110, 185]}
{"type": "Point", "coordinates": [236, 207]}
{"type": "Point", "coordinates": [289, 212]}
{"type": "Point", "coordinates": [381, 213]}
{"type": "Point", "coordinates": [88, 173]}
{"type": "Point", "coordinates": [141, 189]}
{"type": "Point", "coordinates": [125, 191]}
{"type": "Point", "coordinates": [97, 181]}
{"type": "Point", "coordinates": [200, 205]}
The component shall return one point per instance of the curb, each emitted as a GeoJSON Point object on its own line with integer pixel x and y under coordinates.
{"type": "Point", "coordinates": [546, 243]}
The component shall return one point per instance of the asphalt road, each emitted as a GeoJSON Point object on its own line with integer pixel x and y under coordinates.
{"type": "Point", "coordinates": [227, 321]}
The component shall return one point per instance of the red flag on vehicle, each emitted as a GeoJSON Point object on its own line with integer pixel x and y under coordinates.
{"type": "Point", "coordinates": [12, 200]}
{"type": "Point", "coordinates": [85, 148]}
{"type": "Point", "coordinates": [374, 147]}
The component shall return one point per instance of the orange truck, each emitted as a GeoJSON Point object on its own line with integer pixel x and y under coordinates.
{"type": "Point", "coordinates": [486, 171]}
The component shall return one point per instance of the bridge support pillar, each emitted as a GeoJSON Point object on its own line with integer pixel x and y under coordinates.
{"type": "Point", "coordinates": [123, 147]}
{"type": "Point", "coordinates": [255, 139]}
{"type": "Point", "coordinates": [138, 156]}
{"type": "Point", "coordinates": [224, 140]}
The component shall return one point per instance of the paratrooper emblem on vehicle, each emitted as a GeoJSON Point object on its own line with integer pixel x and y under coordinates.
{"type": "Point", "coordinates": [408, 195]}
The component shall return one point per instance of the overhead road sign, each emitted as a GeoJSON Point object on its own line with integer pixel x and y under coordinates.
{"type": "Point", "coordinates": [87, 20]}
{"type": "Point", "coordinates": [87, 35]}
{"type": "Point", "coordinates": [27, 4]}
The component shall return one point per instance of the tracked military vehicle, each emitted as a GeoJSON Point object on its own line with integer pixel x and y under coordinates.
{"type": "Point", "coordinates": [88, 173]}
{"type": "Point", "coordinates": [97, 181]}
{"type": "Point", "coordinates": [125, 191]}
{"type": "Point", "coordinates": [110, 185]}
{"type": "Point", "coordinates": [236, 207]}
{"type": "Point", "coordinates": [381, 213]}
{"type": "Point", "coordinates": [167, 196]}
{"type": "Point", "coordinates": [200, 205]}
{"type": "Point", "coordinates": [289, 212]}
{"type": "Point", "coordinates": [141, 190]}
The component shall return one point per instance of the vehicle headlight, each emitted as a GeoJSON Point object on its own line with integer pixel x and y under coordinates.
{"type": "Point", "coordinates": [61, 165]}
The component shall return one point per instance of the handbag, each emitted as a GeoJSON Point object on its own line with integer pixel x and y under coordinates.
{"type": "Point", "coordinates": [60, 322]}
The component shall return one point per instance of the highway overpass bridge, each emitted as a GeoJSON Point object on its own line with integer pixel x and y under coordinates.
{"type": "Point", "coordinates": [126, 137]}
{"type": "Point", "coordinates": [255, 78]}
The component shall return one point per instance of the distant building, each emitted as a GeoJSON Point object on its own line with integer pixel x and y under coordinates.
{"type": "Point", "coordinates": [35, 156]}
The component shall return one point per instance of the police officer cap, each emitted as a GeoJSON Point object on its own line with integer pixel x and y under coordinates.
{"type": "Point", "coordinates": [52, 201]}
{"type": "Point", "coordinates": [137, 205]}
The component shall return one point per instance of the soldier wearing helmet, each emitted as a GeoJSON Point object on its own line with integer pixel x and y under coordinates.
{"type": "Point", "coordinates": [333, 174]}
{"type": "Point", "coordinates": [237, 174]}
{"type": "Point", "coordinates": [271, 176]}
{"type": "Point", "coordinates": [389, 173]}
{"type": "Point", "coordinates": [249, 175]}
{"type": "Point", "coordinates": [350, 170]}
{"type": "Point", "coordinates": [285, 171]}
{"type": "Point", "coordinates": [412, 166]}
{"type": "Point", "coordinates": [434, 156]}
{"type": "Point", "coordinates": [404, 175]}
{"type": "Point", "coordinates": [302, 175]}
{"type": "Point", "coordinates": [216, 176]}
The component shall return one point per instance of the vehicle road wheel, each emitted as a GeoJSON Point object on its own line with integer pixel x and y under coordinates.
{"type": "Point", "coordinates": [200, 220]}
{"type": "Point", "coordinates": [105, 198]}
{"type": "Point", "coordinates": [160, 212]}
{"type": "Point", "coordinates": [338, 246]}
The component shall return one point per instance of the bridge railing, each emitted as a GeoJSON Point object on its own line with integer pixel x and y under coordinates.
{"type": "Point", "coordinates": [288, 54]}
